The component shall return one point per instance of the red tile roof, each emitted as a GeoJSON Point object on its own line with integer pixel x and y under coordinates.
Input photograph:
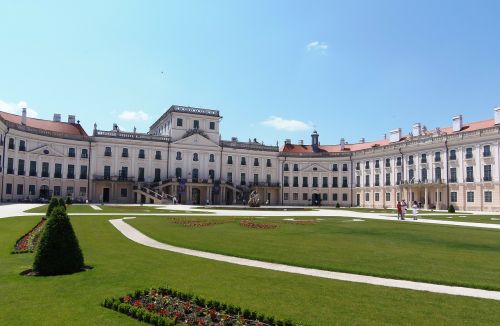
{"type": "Point", "coordinates": [293, 148]}
{"type": "Point", "coordinates": [62, 127]}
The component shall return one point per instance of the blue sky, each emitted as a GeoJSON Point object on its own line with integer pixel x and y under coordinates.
{"type": "Point", "coordinates": [273, 68]}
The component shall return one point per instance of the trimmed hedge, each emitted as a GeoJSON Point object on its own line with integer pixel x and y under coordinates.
{"type": "Point", "coordinates": [58, 250]}
{"type": "Point", "coordinates": [451, 209]}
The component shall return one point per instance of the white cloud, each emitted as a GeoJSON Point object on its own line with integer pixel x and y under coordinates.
{"type": "Point", "coordinates": [17, 108]}
{"type": "Point", "coordinates": [316, 46]}
{"type": "Point", "coordinates": [134, 115]}
{"type": "Point", "coordinates": [288, 125]}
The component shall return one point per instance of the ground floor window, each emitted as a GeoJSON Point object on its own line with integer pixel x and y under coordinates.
{"type": "Point", "coordinates": [295, 196]}
{"type": "Point", "coordinates": [285, 196]}
{"type": "Point", "coordinates": [304, 196]}
{"type": "Point", "coordinates": [20, 189]}
{"type": "Point", "coordinates": [398, 196]}
{"type": "Point", "coordinates": [8, 188]}
{"type": "Point", "coordinates": [324, 197]}
{"type": "Point", "coordinates": [344, 197]}
{"type": "Point", "coordinates": [367, 196]}
{"type": "Point", "coordinates": [470, 196]}
{"type": "Point", "coordinates": [335, 197]}
{"type": "Point", "coordinates": [377, 196]}
{"type": "Point", "coordinates": [70, 191]}
{"type": "Point", "coordinates": [453, 196]}
{"type": "Point", "coordinates": [57, 191]}
{"type": "Point", "coordinates": [387, 196]}
{"type": "Point", "coordinates": [123, 192]}
{"type": "Point", "coordinates": [83, 191]}
{"type": "Point", "coordinates": [31, 190]}
{"type": "Point", "coordinates": [488, 196]}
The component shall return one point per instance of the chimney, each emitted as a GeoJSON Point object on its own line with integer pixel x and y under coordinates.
{"type": "Point", "coordinates": [417, 129]}
{"type": "Point", "coordinates": [395, 135]}
{"type": "Point", "coordinates": [288, 141]}
{"type": "Point", "coordinates": [497, 115]}
{"type": "Point", "coordinates": [362, 140]}
{"type": "Point", "coordinates": [457, 123]}
{"type": "Point", "coordinates": [342, 144]}
{"type": "Point", "coordinates": [315, 140]}
{"type": "Point", "coordinates": [301, 142]}
{"type": "Point", "coordinates": [71, 119]}
{"type": "Point", "coordinates": [57, 117]}
{"type": "Point", "coordinates": [234, 139]}
{"type": "Point", "coordinates": [23, 118]}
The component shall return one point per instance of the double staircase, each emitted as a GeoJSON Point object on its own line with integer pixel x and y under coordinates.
{"type": "Point", "coordinates": [153, 196]}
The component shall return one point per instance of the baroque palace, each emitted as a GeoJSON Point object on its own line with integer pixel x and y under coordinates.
{"type": "Point", "coordinates": [183, 156]}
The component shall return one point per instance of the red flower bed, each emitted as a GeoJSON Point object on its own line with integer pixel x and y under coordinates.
{"type": "Point", "coordinates": [252, 225]}
{"type": "Point", "coordinates": [29, 241]}
{"type": "Point", "coordinates": [167, 307]}
{"type": "Point", "coordinates": [198, 223]}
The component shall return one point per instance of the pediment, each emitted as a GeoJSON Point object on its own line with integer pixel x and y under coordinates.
{"type": "Point", "coordinates": [196, 140]}
{"type": "Point", "coordinates": [47, 150]}
{"type": "Point", "coordinates": [315, 168]}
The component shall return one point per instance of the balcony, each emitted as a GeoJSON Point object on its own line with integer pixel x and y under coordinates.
{"type": "Point", "coordinates": [367, 184]}
{"type": "Point", "coordinates": [45, 174]}
{"type": "Point", "coordinates": [21, 172]}
{"type": "Point", "coordinates": [142, 156]}
{"type": "Point", "coordinates": [70, 176]}
{"type": "Point", "coordinates": [243, 183]}
{"type": "Point", "coordinates": [32, 173]}
{"type": "Point", "coordinates": [469, 179]}
{"type": "Point", "coordinates": [11, 146]}
{"type": "Point", "coordinates": [305, 185]}
{"type": "Point", "coordinates": [265, 184]}
{"type": "Point", "coordinates": [57, 175]}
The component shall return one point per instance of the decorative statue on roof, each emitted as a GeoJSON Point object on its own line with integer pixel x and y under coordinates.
{"type": "Point", "coordinates": [254, 200]}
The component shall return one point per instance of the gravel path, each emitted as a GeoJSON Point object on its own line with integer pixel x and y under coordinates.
{"type": "Point", "coordinates": [136, 236]}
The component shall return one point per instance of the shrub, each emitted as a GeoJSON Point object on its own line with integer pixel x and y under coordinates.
{"type": "Point", "coordinates": [451, 209]}
{"type": "Point", "coordinates": [58, 251]}
{"type": "Point", "coordinates": [338, 205]}
{"type": "Point", "coordinates": [54, 202]}
{"type": "Point", "coordinates": [68, 201]}
{"type": "Point", "coordinates": [62, 203]}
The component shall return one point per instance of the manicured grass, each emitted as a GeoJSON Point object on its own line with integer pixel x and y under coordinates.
{"type": "Point", "coordinates": [262, 208]}
{"type": "Point", "coordinates": [121, 266]}
{"type": "Point", "coordinates": [492, 219]}
{"type": "Point", "coordinates": [430, 253]}
{"type": "Point", "coordinates": [387, 210]}
{"type": "Point", "coordinates": [83, 208]}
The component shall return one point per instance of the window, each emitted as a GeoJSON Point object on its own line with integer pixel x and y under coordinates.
{"type": "Point", "coordinates": [142, 154]}
{"type": "Point", "coordinates": [488, 196]}
{"type": "Point", "coordinates": [83, 191]}
{"type": "Point", "coordinates": [20, 167]}
{"type": "Point", "coordinates": [377, 180]}
{"type": "Point", "coordinates": [8, 189]}
{"type": "Point", "coordinates": [107, 172]}
{"type": "Point", "coordinates": [71, 171]}
{"type": "Point", "coordinates": [195, 157]}
{"type": "Point", "coordinates": [268, 163]}
{"type": "Point", "coordinates": [255, 178]}
{"type": "Point", "coordinates": [178, 173]}
{"type": "Point", "coordinates": [367, 180]}
{"type": "Point", "coordinates": [367, 196]}
{"type": "Point", "coordinates": [468, 153]}
{"type": "Point", "coordinates": [344, 197]}
{"type": "Point", "coordinates": [158, 155]}
{"type": "Point", "coordinates": [344, 167]}
{"type": "Point", "coordinates": [11, 144]}
{"type": "Point", "coordinates": [334, 168]}
{"type": "Point", "coordinates": [58, 171]}
{"type": "Point", "coordinates": [107, 151]}
{"type": "Point", "coordinates": [387, 162]}
{"type": "Point", "coordinates": [335, 182]}
{"type": "Point", "coordinates": [22, 145]}
{"type": "Point", "coordinates": [453, 196]}
{"type": "Point", "coordinates": [424, 174]}
{"type": "Point", "coordinates": [325, 197]}
{"type": "Point", "coordinates": [123, 175]}
{"type": "Point", "coordinates": [437, 157]}
{"type": "Point", "coordinates": [296, 167]}
{"type": "Point", "coordinates": [411, 175]}
{"type": "Point", "coordinates": [358, 181]}
{"type": "Point", "coordinates": [212, 125]}
{"type": "Point", "coordinates": [295, 196]}
{"type": "Point", "coordinates": [367, 164]}
{"type": "Point", "coordinates": [10, 165]}
{"type": "Point", "coordinates": [285, 196]}
{"type": "Point", "coordinates": [358, 164]}
{"type": "Point", "coordinates": [470, 196]}
{"type": "Point", "coordinates": [83, 172]}
{"type": "Point", "coordinates": [285, 182]}
{"type": "Point", "coordinates": [470, 174]}
{"type": "Point", "coordinates": [325, 182]}
{"type": "Point", "coordinates": [243, 161]}
{"type": "Point", "coordinates": [157, 175]}
{"type": "Point", "coordinates": [398, 161]}
{"type": "Point", "coordinates": [486, 151]}
{"type": "Point", "coordinates": [211, 158]}
{"type": "Point", "coordinates": [179, 122]}
{"type": "Point", "coordinates": [377, 164]}
{"type": "Point", "coordinates": [315, 182]}
{"type": "Point", "coordinates": [20, 189]}
{"type": "Point", "coordinates": [423, 158]}
{"type": "Point", "coordinates": [305, 182]}
{"type": "Point", "coordinates": [285, 167]}
{"type": "Point", "coordinates": [32, 190]}
{"type": "Point", "coordinates": [344, 182]}
{"type": "Point", "coordinates": [387, 196]}
{"type": "Point", "coordinates": [229, 177]}
{"type": "Point", "coordinates": [387, 179]}
{"type": "Point", "coordinates": [255, 162]}
{"type": "Point", "coordinates": [398, 178]}
{"type": "Point", "coordinates": [377, 196]}
{"type": "Point", "coordinates": [178, 156]}
{"type": "Point", "coordinates": [196, 124]}
{"type": "Point", "coordinates": [71, 152]}
{"type": "Point", "coordinates": [57, 191]}
{"type": "Point", "coordinates": [453, 155]}
{"type": "Point", "coordinates": [453, 174]}
{"type": "Point", "coordinates": [410, 160]}
{"type": "Point", "coordinates": [229, 160]}
{"type": "Point", "coordinates": [45, 169]}
{"type": "Point", "coordinates": [243, 179]}
{"type": "Point", "coordinates": [304, 197]}
{"type": "Point", "coordinates": [32, 168]}
{"type": "Point", "coordinates": [437, 174]}
{"type": "Point", "coordinates": [487, 172]}
{"type": "Point", "coordinates": [70, 191]}
{"type": "Point", "coordinates": [84, 153]}
{"type": "Point", "coordinates": [123, 192]}
{"type": "Point", "coordinates": [140, 175]}
{"type": "Point", "coordinates": [125, 152]}
{"type": "Point", "coordinates": [295, 181]}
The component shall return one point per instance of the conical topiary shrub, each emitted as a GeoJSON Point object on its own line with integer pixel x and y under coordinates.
{"type": "Point", "coordinates": [58, 250]}
{"type": "Point", "coordinates": [62, 203]}
{"type": "Point", "coordinates": [54, 202]}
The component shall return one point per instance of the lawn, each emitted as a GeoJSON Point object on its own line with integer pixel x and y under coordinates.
{"type": "Point", "coordinates": [430, 253]}
{"type": "Point", "coordinates": [263, 208]}
{"type": "Point", "coordinates": [83, 208]}
{"type": "Point", "coordinates": [386, 210]}
{"type": "Point", "coordinates": [493, 219]}
{"type": "Point", "coordinates": [121, 266]}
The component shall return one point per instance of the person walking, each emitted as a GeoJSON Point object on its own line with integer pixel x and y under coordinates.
{"type": "Point", "coordinates": [398, 206]}
{"type": "Point", "coordinates": [415, 210]}
{"type": "Point", "coordinates": [404, 207]}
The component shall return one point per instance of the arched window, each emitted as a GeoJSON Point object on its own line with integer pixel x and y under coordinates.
{"type": "Point", "coordinates": [178, 173]}
{"type": "Point", "coordinates": [195, 157]}
{"type": "Point", "coordinates": [212, 158]}
{"type": "Point", "coordinates": [285, 167]}
{"type": "Point", "coordinates": [195, 174]}
{"type": "Point", "coordinates": [178, 156]}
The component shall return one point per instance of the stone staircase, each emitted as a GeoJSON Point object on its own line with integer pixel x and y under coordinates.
{"type": "Point", "coordinates": [153, 195]}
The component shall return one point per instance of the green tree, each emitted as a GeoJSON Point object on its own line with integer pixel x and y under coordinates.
{"type": "Point", "coordinates": [54, 202]}
{"type": "Point", "coordinates": [58, 251]}
{"type": "Point", "coordinates": [62, 203]}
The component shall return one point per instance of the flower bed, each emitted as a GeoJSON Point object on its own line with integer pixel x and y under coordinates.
{"type": "Point", "coordinates": [29, 241]}
{"type": "Point", "coordinates": [167, 307]}
{"type": "Point", "coordinates": [198, 223]}
{"type": "Point", "coordinates": [301, 222]}
{"type": "Point", "coordinates": [252, 225]}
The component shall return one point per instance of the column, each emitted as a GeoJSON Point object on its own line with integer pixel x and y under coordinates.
{"type": "Point", "coordinates": [426, 200]}
{"type": "Point", "coordinates": [437, 199]}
